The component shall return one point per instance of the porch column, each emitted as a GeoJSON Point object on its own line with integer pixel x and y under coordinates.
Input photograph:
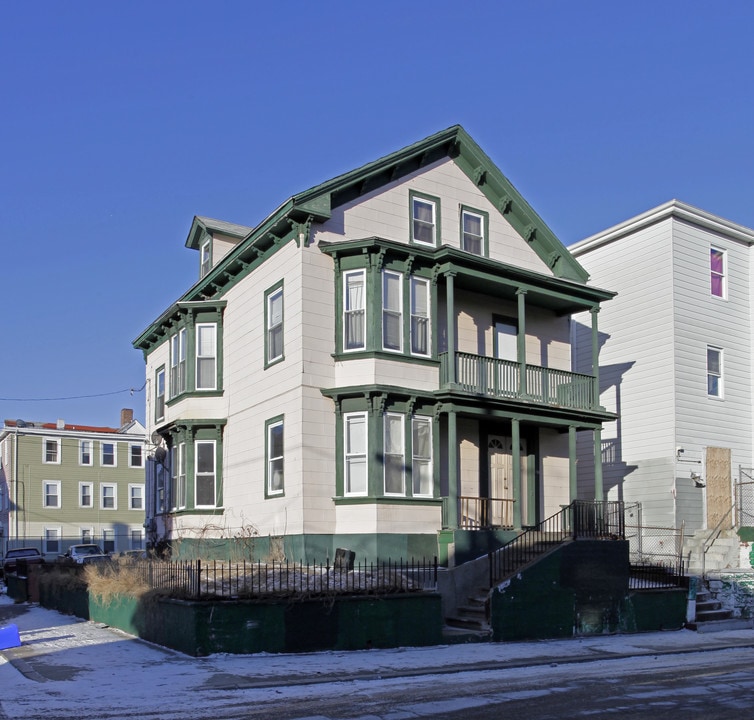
{"type": "Point", "coordinates": [516, 458]}
{"type": "Point", "coordinates": [598, 490]}
{"type": "Point", "coordinates": [521, 342]}
{"type": "Point", "coordinates": [452, 470]}
{"type": "Point", "coordinates": [572, 476]}
{"type": "Point", "coordinates": [595, 356]}
{"type": "Point", "coordinates": [450, 310]}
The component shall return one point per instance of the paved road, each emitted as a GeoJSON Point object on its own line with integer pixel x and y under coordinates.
{"type": "Point", "coordinates": [69, 669]}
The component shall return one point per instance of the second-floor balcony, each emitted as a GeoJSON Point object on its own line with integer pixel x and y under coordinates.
{"type": "Point", "coordinates": [480, 375]}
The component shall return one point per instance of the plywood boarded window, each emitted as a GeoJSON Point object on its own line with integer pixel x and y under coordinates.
{"type": "Point", "coordinates": [718, 482]}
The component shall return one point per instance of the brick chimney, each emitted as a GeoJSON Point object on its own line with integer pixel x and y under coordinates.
{"type": "Point", "coordinates": [126, 416]}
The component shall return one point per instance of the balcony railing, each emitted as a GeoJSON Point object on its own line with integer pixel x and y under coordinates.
{"type": "Point", "coordinates": [488, 376]}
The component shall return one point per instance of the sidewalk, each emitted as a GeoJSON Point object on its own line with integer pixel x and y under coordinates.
{"type": "Point", "coordinates": [57, 648]}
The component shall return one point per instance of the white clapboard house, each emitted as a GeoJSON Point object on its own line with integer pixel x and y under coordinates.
{"type": "Point", "coordinates": [675, 365]}
{"type": "Point", "coordinates": [382, 364]}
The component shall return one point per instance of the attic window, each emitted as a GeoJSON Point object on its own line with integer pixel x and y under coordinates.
{"type": "Point", "coordinates": [424, 220]}
{"type": "Point", "coordinates": [205, 253]}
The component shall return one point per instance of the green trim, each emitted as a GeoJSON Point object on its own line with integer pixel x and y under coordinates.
{"type": "Point", "coordinates": [192, 511]}
{"type": "Point", "coordinates": [387, 500]}
{"type": "Point", "coordinates": [434, 200]}
{"type": "Point", "coordinates": [485, 228]}
{"type": "Point", "coordinates": [188, 431]}
{"type": "Point", "coordinates": [160, 369]}
{"type": "Point", "coordinates": [386, 355]}
{"type": "Point", "coordinates": [278, 286]}
{"type": "Point", "coordinates": [292, 220]}
{"type": "Point", "coordinates": [277, 420]}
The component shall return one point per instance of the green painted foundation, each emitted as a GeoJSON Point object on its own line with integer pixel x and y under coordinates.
{"type": "Point", "coordinates": [581, 589]}
{"type": "Point", "coordinates": [349, 623]}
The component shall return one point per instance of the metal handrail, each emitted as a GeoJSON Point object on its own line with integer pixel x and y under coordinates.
{"type": "Point", "coordinates": [713, 536]}
{"type": "Point", "coordinates": [596, 519]}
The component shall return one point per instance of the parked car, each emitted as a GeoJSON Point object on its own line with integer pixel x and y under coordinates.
{"type": "Point", "coordinates": [30, 555]}
{"type": "Point", "coordinates": [85, 553]}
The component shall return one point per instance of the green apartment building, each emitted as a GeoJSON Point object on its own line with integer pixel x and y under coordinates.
{"type": "Point", "coordinates": [62, 484]}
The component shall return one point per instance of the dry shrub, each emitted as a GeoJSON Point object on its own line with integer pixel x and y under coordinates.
{"type": "Point", "coordinates": [62, 580]}
{"type": "Point", "coordinates": [109, 580]}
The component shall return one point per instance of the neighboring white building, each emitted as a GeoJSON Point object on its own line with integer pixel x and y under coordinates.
{"type": "Point", "coordinates": [675, 363]}
{"type": "Point", "coordinates": [348, 372]}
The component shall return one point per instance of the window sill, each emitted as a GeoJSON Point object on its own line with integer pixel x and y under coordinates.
{"type": "Point", "coordinates": [383, 500]}
{"type": "Point", "coordinates": [385, 355]}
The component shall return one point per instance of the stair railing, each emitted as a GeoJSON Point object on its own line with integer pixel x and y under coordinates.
{"type": "Point", "coordinates": [581, 519]}
{"type": "Point", "coordinates": [713, 536]}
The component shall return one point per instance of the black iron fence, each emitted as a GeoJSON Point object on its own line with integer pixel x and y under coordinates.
{"type": "Point", "coordinates": [197, 579]}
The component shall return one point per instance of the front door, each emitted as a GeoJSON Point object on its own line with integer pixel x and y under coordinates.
{"type": "Point", "coordinates": [501, 494]}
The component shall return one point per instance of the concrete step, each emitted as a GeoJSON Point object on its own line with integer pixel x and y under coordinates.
{"type": "Point", "coordinates": [707, 626]}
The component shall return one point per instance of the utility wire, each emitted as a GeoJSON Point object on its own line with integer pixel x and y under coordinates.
{"type": "Point", "coordinates": [74, 397]}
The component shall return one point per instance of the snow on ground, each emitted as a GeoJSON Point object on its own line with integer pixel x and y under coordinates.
{"type": "Point", "coordinates": [68, 668]}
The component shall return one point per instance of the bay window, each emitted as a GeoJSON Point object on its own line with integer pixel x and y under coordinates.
{"type": "Point", "coordinates": [354, 310]}
{"type": "Point", "coordinates": [392, 310]}
{"type": "Point", "coordinates": [204, 481]}
{"type": "Point", "coordinates": [421, 461]}
{"type": "Point", "coordinates": [355, 453]}
{"type": "Point", "coordinates": [394, 457]}
{"type": "Point", "coordinates": [419, 316]}
{"type": "Point", "coordinates": [206, 356]}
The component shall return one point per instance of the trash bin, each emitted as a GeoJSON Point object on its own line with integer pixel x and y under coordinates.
{"type": "Point", "coordinates": [9, 637]}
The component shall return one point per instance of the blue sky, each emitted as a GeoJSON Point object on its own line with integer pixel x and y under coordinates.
{"type": "Point", "coordinates": [121, 121]}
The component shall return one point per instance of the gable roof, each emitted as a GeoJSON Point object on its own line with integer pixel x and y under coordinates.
{"type": "Point", "coordinates": [202, 226]}
{"type": "Point", "coordinates": [292, 220]}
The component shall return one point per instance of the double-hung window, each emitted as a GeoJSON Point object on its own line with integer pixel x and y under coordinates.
{"type": "Point", "coordinates": [85, 495]}
{"type": "Point", "coordinates": [159, 395]}
{"type": "Point", "coordinates": [108, 496]}
{"type": "Point", "coordinates": [394, 455]}
{"type": "Point", "coordinates": [52, 451]}
{"type": "Point", "coordinates": [85, 452]}
{"type": "Point", "coordinates": [178, 363]}
{"type": "Point", "coordinates": [204, 478]}
{"type": "Point", "coordinates": [206, 258]}
{"type": "Point", "coordinates": [135, 456]}
{"type": "Point", "coordinates": [178, 479]}
{"type": "Point", "coordinates": [137, 539]}
{"type": "Point", "coordinates": [423, 220]}
{"type": "Point", "coordinates": [717, 271]}
{"type": "Point", "coordinates": [108, 454]}
{"type": "Point", "coordinates": [354, 310]}
{"type": "Point", "coordinates": [392, 310]}
{"type": "Point", "coordinates": [52, 540]}
{"type": "Point", "coordinates": [420, 316]}
{"type": "Point", "coordinates": [274, 324]}
{"type": "Point", "coordinates": [135, 497]}
{"type": "Point", "coordinates": [51, 493]}
{"type": "Point", "coordinates": [275, 457]}
{"type": "Point", "coordinates": [355, 453]}
{"type": "Point", "coordinates": [421, 466]}
{"type": "Point", "coordinates": [472, 232]}
{"type": "Point", "coordinates": [206, 356]}
{"type": "Point", "coordinates": [714, 372]}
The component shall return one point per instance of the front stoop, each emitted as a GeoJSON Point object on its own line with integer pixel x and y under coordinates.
{"type": "Point", "coordinates": [710, 616]}
{"type": "Point", "coordinates": [471, 620]}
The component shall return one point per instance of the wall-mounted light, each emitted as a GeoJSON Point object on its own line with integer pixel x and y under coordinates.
{"type": "Point", "coordinates": [697, 478]}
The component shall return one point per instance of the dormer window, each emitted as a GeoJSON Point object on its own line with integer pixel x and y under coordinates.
{"type": "Point", "coordinates": [205, 253]}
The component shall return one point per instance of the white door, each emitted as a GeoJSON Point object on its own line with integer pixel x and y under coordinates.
{"type": "Point", "coordinates": [500, 458]}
